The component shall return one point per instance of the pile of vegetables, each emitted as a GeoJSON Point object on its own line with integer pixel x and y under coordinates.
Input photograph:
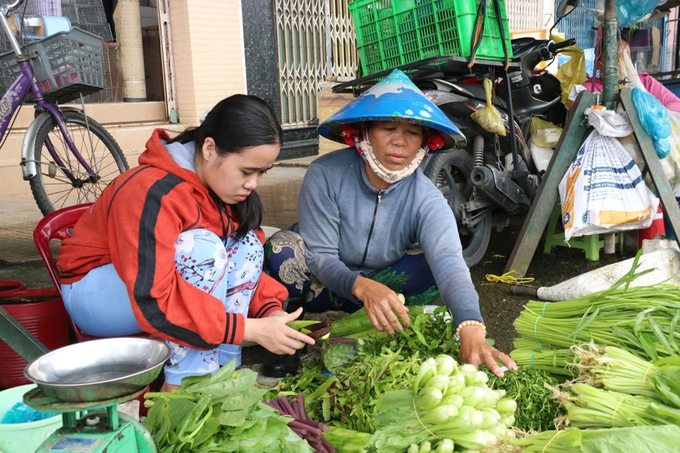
{"type": "Point", "coordinates": [219, 412]}
{"type": "Point", "coordinates": [634, 392]}
{"type": "Point", "coordinates": [348, 399]}
{"type": "Point", "coordinates": [448, 406]}
{"type": "Point", "coordinates": [364, 369]}
{"type": "Point", "coordinates": [302, 423]}
{"type": "Point", "coordinates": [619, 370]}
{"type": "Point", "coordinates": [641, 320]}
{"type": "Point", "coordinates": [536, 407]}
{"type": "Point", "coordinates": [616, 440]}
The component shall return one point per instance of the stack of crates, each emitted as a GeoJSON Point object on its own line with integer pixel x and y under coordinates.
{"type": "Point", "coordinates": [391, 33]}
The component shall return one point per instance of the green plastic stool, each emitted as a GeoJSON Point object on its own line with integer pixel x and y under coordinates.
{"type": "Point", "coordinates": [591, 243]}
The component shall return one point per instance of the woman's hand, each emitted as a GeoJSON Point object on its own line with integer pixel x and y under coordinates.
{"type": "Point", "coordinates": [273, 334]}
{"type": "Point", "coordinates": [476, 351]}
{"type": "Point", "coordinates": [381, 303]}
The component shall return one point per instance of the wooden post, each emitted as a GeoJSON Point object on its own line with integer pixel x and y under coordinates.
{"type": "Point", "coordinates": [663, 188]}
{"type": "Point", "coordinates": [537, 218]}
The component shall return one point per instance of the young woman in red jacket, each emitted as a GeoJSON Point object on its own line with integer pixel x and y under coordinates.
{"type": "Point", "coordinates": [174, 246]}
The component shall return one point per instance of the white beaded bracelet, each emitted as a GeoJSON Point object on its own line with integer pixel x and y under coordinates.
{"type": "Point", "coordinates": [470, 322]}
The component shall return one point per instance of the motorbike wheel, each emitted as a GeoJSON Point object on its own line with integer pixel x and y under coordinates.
{"type": "Point", "coordinates": [450, 172]}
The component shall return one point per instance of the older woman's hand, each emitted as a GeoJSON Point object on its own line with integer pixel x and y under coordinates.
{"type": "Point", "coordinates": [476, 351]}
{"type": "Point", "coordinates": [381, 303]}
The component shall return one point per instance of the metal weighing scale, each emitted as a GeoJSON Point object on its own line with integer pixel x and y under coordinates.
{"type": "Point", "coordinates": [101, 428]}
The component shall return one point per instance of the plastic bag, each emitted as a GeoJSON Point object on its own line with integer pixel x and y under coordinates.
{"type": "Point", "coordinates": [488, 117]}
{"type": "Point", "coordinates": [603, 191]}
{"type": "Point", "coordinates": [541, 156]}
{"type": "Point", "coordinates": [608, 122]}
{"type": "Point", "coordinates": [21, 413]}
{"type": "Point", "coordinates": [628, 12]}
{"type": "Point", "coordinates": [630, 144]}
{"type": "Point", "coordinates": [544, 133]}
{"type": "Point", "coordinates": [573, 72]}
{"type": "Point", "coordinates": [655, 120]}
{"type": "Point", "coordinates": [629, 72]}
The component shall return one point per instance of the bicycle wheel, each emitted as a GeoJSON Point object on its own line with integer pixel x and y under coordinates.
{"type": "Point", "coordinates": [52, 187]}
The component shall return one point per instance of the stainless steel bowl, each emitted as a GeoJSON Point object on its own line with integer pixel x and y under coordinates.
{"type": "Point", "coordinates": [100, 369]}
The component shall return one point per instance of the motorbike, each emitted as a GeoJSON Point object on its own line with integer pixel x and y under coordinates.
{"type": "Point", "coordinates": [493, 179]}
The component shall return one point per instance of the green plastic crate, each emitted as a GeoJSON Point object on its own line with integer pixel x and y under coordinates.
{"type": "Point", "coordinates": [390, 33]}
{"type": "Point", "coordinates": [376, 30]}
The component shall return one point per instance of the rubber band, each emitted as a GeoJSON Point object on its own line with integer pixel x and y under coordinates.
{"type": "Point", "coordinates": [507, 278]}
{"type": "Point", "coordinates": [645, 376]}
{"type": "Point", "coordinates": [531, 360]}
{"type": "Point", "coordinates": [550, 441]}
{"type": "Point", "coordinates": [617, 409]}
{"type": "Point", "coordinates": [545, 304]}
{"type": "Point", "coordinates": [536, 332]}
{"type": "Point", "coordinates": [420, 421]}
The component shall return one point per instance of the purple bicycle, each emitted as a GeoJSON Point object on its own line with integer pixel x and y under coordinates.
{"type": "Point", "coordinates": [67, 157]}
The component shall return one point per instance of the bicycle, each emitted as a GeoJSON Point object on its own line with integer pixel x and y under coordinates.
{"type": "Point", "coordinates": [67, 157]}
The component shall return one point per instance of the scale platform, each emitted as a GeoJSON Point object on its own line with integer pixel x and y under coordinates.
{"type": "Point", "coordinates": [100, 429]}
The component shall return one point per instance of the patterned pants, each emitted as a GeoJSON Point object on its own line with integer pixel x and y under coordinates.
{"type": "Point", "coordinates": [285, 261]}
{"type": "Point", "coordinates": [99, 303]}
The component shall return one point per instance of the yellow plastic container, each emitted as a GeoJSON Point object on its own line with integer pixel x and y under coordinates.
{"type": "Point", "coordinates": [23, 437]}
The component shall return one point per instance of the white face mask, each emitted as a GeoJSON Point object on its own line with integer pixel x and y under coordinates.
{"type": "Point", "coordinates": [366, 151]}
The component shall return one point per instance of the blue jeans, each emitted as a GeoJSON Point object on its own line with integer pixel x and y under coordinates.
{"type": "Point", "coordinates": [100, 306]}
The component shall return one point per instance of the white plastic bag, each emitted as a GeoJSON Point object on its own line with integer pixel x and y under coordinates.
{"type": "Point", "coordinates": [603, 191]}
{"type": "Point", "coordinates": [608, 122]}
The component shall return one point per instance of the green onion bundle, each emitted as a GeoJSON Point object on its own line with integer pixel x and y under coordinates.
{"type": "Point", "coordinates": [641, 320]}
{"type": "Point", "coordinates": [638, 439]}
{"type": "Point", "coordinates": [553, 361]}
{"type": "Point", "coordinates": [620, 371]}
{"type": "Point", "coordinates": [597, 408]}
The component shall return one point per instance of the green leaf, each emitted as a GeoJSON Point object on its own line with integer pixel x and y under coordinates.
{"type": "Point", "coordinates": [639, 439]}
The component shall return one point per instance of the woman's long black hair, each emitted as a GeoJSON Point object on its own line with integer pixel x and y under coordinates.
{"type": "Point", "coordinates": [237, 123]}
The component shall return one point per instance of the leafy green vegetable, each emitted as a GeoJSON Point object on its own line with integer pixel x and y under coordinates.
{"type": "Point", "coordinates": [336, 356]}
{"type": "Point", "coordinates": [536, 408]}
{"type": "Point", "coordinates": [638, 439]}
{"type": "Point", "coordinates": [222, 412]}
{"type": "Point", "coordinates": [350, 397]}
{"type": "Point", "coordinates": [429, 335]}
{"type": "Point", "coordinates": [347, 441]}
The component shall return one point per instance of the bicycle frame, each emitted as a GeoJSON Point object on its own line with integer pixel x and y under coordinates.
{"type": "Point", "coordinates": [12, 99]}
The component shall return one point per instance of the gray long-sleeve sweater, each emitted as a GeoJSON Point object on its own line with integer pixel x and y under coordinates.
{"type": "Point", "coordinates": [342, 218]}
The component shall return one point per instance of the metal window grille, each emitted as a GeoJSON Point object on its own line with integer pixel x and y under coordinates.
{"type": "Point", "coordinates": [342, 46]}
{"type": "Point", "coordinates": [525, 14]}
{"type": "Point", "coordinates": [301, 28]}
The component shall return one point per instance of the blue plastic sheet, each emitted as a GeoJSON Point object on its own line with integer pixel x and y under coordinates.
{"type": "Point", "coordinates": [21, 413]}
{"type": "Point", "coordinates": [628, 12]}
{"type": "Point", "coordinates": [655, 120]}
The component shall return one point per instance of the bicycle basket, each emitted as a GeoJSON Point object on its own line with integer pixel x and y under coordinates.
{"type": "Point", "coordinates": [65, 64]}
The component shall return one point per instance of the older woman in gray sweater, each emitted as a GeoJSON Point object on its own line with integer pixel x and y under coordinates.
{"type": "Point", "coordinates": [372, 225]}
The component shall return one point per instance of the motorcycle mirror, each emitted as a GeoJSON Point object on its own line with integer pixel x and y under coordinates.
{"type": "Point", "coordinates": [566, 7]}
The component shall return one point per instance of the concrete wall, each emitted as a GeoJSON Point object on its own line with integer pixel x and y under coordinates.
{"type": "Point", "coordinates": [208, 50]}
{"type": "Point", "coordinates": [209, 66]}
{"type": "Point", "coordinates": [329, 104]}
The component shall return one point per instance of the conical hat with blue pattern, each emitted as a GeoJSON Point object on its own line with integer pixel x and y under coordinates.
{"type": "Point", "coordinates": [395, 98]}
